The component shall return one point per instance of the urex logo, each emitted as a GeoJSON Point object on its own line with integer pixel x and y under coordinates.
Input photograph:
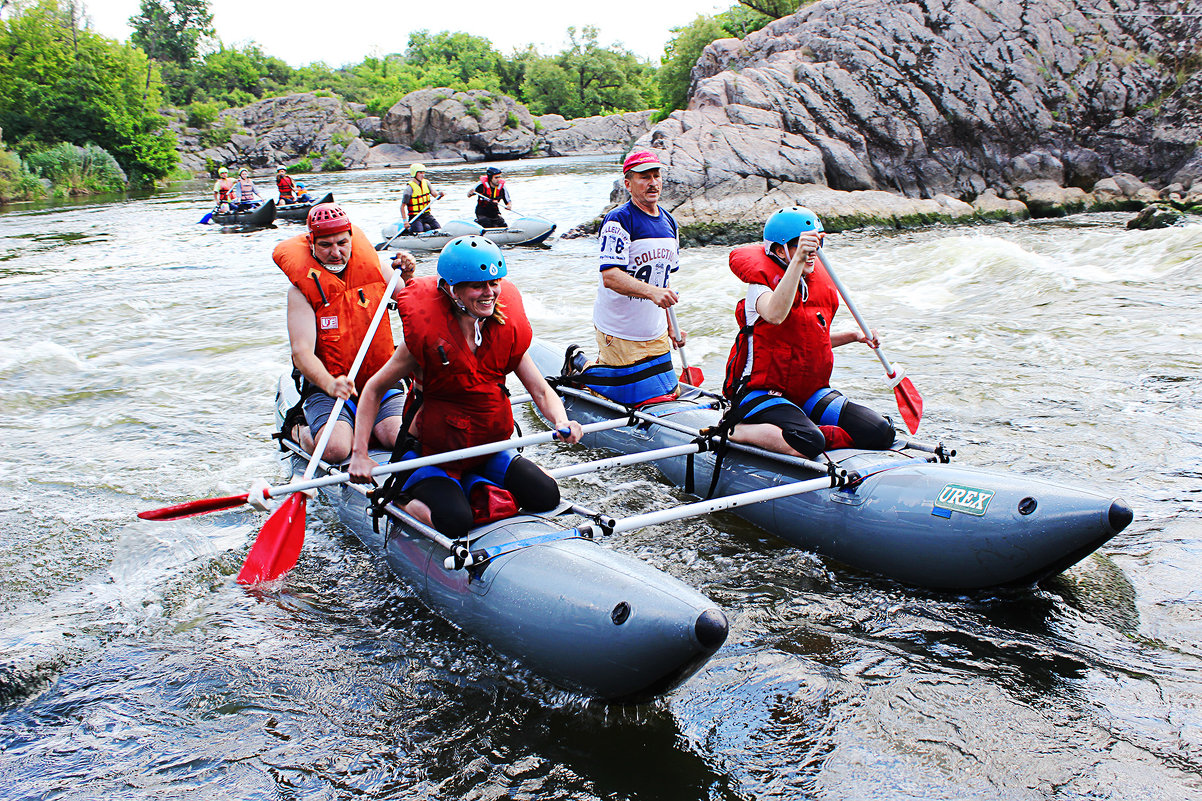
{"type": "Point", "coordinates": [969, 500]}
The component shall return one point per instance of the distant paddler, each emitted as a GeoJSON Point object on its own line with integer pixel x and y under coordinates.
{"type": "Point", "coordinates": [246, 194]}
{"type": "Point", "coordinates": [465, 331]}
{"type": "Point", "coordinates": [223, 191]}
{"type": "Point", "coordinates": [416, 200]}
{"type": "Point", "coordinates": [286, 186]}
{"type": "Point", "coordinates": [490, 193]}
{"type": "Point", "coordinates": [779, 370]}
{"type": "Point", "coordinates": [337, 284]}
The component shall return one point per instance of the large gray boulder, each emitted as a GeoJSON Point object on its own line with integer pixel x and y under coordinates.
{"type": "Point", "coordinates": [1030, 102]}
{"type": "Point", "coordinates": [612, 133]}
{"type": "Point", "coordinates": [471, 125]}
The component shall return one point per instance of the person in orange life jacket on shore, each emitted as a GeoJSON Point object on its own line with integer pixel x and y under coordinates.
{"type": "Point", "coordinates": [337, 284]}
{"type": "Point", "coordinates": [246, 195]}
{"type": "Point", "coordinates": [779, 369]}
{"type": "Point", "coordinates": [416, 200]}
{"type": "Point", "coordinates": [639, 252]}
{"type": "Point", "coordinates": [465, 331]}
{"type": "Point", "coordinates": [223, 191]}
{"type": "Point", "coordinates": [286, 186]}
{"type": "Point", "coordinates": [490, 193]}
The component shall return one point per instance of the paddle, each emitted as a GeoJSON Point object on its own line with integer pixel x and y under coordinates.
{"type": "Point", "coordinates": [401, 230]}
{"type": "Point", "coordinates": [190, 508]}
{"type": "Point", "coordinates": [688, 375]}
{"type": "Point", "coordinates": [279, 543]}
{"type": "Point", "coordinates": [909, 402]}
{"type": "Point", "coordinates": [205, 220]}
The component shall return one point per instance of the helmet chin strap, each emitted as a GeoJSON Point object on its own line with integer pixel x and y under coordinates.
{"type": "Point", "coordinates": [334, 268]}
{"type": "Point", "coordinates": [476, 319]}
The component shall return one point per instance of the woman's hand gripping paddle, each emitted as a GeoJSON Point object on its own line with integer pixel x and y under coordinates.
{"type": "Point", "coordinates": [688, 375]}
{"type": "Point", "coordinates": [279, 542]}
{"type": "Point", "coordinates": [909, 402]}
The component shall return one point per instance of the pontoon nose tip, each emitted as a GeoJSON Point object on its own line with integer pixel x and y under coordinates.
{"type": "Point", "coordinates": [711, 628]}
{"type": "Point", "coordinates": [1120, 515]}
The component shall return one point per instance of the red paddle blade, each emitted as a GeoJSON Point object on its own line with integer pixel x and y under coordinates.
{"type": "Point", "coordinates": [279, 544]}
{"type": "Point", "coordinates": [192, 508]}
{"type": "Point", "coordinates": [692, 376]}
{"type": "Point", "coordinates": [909, 403]}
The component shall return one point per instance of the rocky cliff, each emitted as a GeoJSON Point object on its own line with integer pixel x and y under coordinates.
{"type": "Point", "coordinates": [914, 110]}
{"type": "Point", "coordinates": [428, 123]}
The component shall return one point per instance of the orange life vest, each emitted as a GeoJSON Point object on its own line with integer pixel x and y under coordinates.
{"type": "Point", "coordinates": [344, 304]}
{"type": "Point", "coordinates": [420, 199]}
{"type": "Point", "coordinates": [793, 358]}
{"type": "Point", "coordinates": [464, 402]}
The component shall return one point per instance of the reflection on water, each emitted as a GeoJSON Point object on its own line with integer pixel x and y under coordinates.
{"type": "Point", "coordinates": [139, 358]}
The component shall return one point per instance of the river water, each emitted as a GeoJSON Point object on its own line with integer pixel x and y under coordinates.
{"type": "Point", "coordinates": [138, 357]}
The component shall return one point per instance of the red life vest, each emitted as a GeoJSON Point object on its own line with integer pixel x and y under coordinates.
{"type": "Point", "coordinates": [464, 402]}
{"type": "Point", "coordinates": [344, 304]}
{"type": "Point", "coordinates": [287, 187]}
{"type": "Point", "coordinates": [224, 189]}
{"type": "Point", "coordinates": [793, 358]}
{"type": "Point", "coordinates": [489, 191]}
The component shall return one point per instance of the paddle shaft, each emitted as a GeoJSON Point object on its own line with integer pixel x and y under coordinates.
{"type": "Point", "coordinates": [719, 504]}
{"type": "Point", "coordinates": [684, 360]}
{"type": "Point", "coordinates": [328, 428]}
{"type": "Point", "coordinates": [889, 371]}
{"type": "Point", "coordinates": [441, 458]}
{"type": "Point", "coordinates": [627, 459]}
{"type": "Point", "coordinates": [784, 458]}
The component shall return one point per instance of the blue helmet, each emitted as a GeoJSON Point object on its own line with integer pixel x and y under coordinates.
{"type": "Point", "coordinates": [786, 225]}
{"type": "Point", "coordinates": [470, 258]}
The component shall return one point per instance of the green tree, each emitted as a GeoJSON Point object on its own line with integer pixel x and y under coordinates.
{"type": "Point", "coordinates": [680, 55]}
{"type": "Point", "coordinates": [466, 55]}
{"type": "Point", "coordinates": [775, 9]}
{"type": "Point", "coordinates": [172, 30]}
{"type": "Point", "coordinates": [63, 84]}
{"type": "Point", "coordinates": [587, 79]}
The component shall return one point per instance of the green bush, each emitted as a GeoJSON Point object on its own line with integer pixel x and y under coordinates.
{"type": "Point", "coordinates": [333, 163]}
{"type": "Point", "coordinates": [202, 115]}
{"type": "Point", "coordinates": [512, 121]}
{"type": "Point", "coordinates": [304, 165]}
{"type": "Point", "coordinates": [16, 182]}
{"type": "Point", "coordinates": [341, 138]}
{"type": "Point", "coordinates": [78, 170]}
{"type": "Point", "coordinates": [221, 133]}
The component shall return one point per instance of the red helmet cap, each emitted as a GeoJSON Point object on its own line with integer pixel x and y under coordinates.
{"type": "Point", "coordinates": [326, 219]}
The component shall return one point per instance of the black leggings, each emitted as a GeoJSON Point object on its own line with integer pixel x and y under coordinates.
{"type": "Point", "coordinates": [866, 428]}
{"type": "Point", "coordinates": [450, 512]}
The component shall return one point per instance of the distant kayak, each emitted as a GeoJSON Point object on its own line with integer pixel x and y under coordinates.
{"type": "Point", "coordinates": [299, 212]}
{"type": "Point", "coordinates": [522, 231]}
{"type": "Point", "coordinates": [260, 216]}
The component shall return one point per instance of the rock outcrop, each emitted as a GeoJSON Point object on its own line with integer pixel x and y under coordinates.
{"type": "Point", "coordinates": [613, 133]}
{"type": "Point", "coordinates": [1042, 104]}
{"type": "Point", "coordinates": [471, 125]}
{"type": "Point", "coordinates": [281, 130]}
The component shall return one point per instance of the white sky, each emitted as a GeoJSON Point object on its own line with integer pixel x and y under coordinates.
{"type": "Point", "coordinates": [349, 30]}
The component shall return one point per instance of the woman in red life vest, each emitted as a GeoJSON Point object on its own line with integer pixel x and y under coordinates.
{"type": "Point", "coordinates": [779, 370]}
{"type": "Point", "coordinates": [465, 331]}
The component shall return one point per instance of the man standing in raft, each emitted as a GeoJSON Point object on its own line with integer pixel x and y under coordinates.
{"type": "Point", "coordinates": [416, 200]}
{"type": "Point", "coordinates": [779, 370]}
{"type": "Point", "coordinates": [337, 284]}
{"type": "Point", "coordinates": [639, 253]}
{"type": "Point", "coordinates": [490, 193]}
{"type": "Point", "coordinates": [465, 331]}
